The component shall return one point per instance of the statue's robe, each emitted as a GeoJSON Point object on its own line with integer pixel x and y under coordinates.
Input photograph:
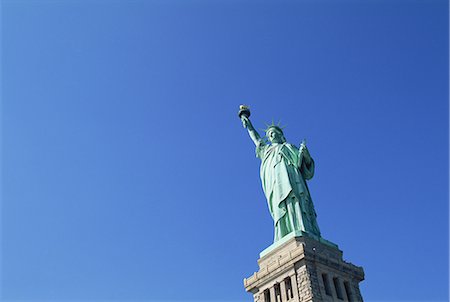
{"type": "Point", "coordinates": [283, 173]}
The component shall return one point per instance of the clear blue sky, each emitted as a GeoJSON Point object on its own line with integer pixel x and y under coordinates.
{"type": "Point", "coordinates": [126, 174]}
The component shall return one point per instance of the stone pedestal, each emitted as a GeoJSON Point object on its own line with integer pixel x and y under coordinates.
{"type": "Point", "coordinates": [302, 269]}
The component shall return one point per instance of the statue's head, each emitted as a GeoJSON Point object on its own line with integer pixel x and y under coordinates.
{"type": "Point", "coordinates": [275, 134]}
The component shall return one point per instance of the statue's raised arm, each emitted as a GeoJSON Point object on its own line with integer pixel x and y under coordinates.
{"type": "Point", "coordinates": [244, 114]}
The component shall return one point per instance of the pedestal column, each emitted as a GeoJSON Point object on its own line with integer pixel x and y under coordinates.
{"type": "Point", "coordinates": [307, 262]}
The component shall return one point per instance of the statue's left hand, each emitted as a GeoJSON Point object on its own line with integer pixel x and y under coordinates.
{"type": "Point", "coordinates": [304, 150]}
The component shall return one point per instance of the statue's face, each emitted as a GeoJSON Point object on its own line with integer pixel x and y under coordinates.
{"type": "Point", "coordinates": [275, 136]}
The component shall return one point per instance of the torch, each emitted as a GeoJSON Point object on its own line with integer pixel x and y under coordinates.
{"type": "Point", "coordinates": [244, 110]}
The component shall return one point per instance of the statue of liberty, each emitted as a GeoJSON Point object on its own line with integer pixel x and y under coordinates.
{"type": "Point", "coordinates": [284, 171]}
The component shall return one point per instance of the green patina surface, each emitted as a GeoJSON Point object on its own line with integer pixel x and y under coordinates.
{"type": "Point", "coordinates": [285, 168]}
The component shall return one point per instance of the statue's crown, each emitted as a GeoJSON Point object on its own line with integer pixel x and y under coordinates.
{"type": "Point", "coordinates": [275, 126]}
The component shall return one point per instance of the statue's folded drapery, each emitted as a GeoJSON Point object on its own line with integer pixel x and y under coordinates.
{"type": "Point", "coordinates": [284, 169]}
